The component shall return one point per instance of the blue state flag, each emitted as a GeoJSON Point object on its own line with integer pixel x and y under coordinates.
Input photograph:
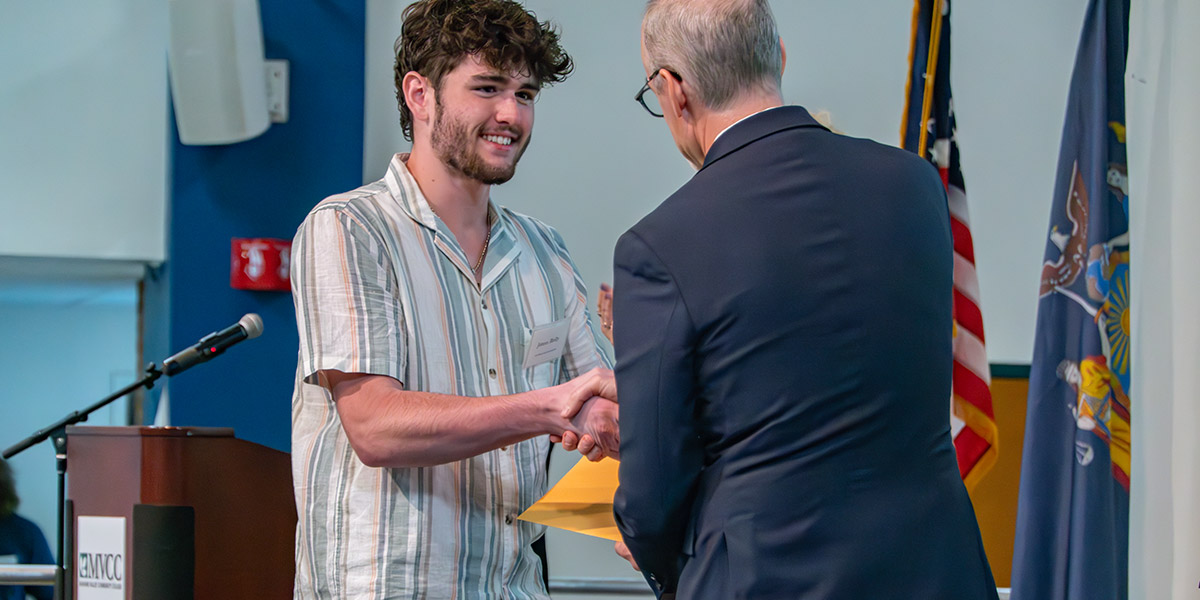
{"type": "Point", "coordinates": [1072, 535]}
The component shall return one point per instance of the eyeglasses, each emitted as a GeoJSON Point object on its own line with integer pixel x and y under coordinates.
{"type": "Point", "coordinates": [651, 104]}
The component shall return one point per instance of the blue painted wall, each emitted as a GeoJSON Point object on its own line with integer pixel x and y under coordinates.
{"type": "Point", "coordinates": [259, 188]}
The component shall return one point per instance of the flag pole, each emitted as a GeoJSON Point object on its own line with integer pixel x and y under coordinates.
{"type": "Point", "coordinates": [935, 34]}
{"type": "Point", "coordinates": [935, 43]}
{"type": "Point", "coordinates": [912, 57]}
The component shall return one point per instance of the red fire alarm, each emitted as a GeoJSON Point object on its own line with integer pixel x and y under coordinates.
{"type": "Point", "coordinates": [261, 264]}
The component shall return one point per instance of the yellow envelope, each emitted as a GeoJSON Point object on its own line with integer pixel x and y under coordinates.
{"type": "Point", "coordinates": [582, 501]}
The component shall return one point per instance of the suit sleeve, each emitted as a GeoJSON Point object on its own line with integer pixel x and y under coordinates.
{"type": "Point", "coordinates": [661, 454]}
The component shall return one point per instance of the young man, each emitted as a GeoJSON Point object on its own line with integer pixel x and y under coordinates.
{"type": "Point", "coordinates": [782, 329]}
{"type": "Point", "coordinates": [442, 338]}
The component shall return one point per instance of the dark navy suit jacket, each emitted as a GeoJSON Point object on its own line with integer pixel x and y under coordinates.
{"type": "Point", "coordinates": [783, 342]}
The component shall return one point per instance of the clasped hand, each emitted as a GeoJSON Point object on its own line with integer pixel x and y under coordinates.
{"type": "Point", "coordinates": [590, 406]}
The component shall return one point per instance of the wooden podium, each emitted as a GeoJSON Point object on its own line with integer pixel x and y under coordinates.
{"type": "Point", "coordinates": [200, 507]}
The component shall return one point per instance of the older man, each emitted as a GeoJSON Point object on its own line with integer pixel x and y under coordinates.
{"type": "Point", "coordinates": [783, 343]}
{"type": "Point", "coordinates": [439, 334]}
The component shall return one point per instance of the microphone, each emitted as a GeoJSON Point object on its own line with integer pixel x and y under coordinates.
{"type": "Point", "coordinates": [249, 326]}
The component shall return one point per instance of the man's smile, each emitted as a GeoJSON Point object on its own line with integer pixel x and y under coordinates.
{"type": "Point", "coordinates": [502, 140]}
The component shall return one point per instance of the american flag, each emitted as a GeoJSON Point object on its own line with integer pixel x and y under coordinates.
{"type": "Point", "coordinates": [928, 129]}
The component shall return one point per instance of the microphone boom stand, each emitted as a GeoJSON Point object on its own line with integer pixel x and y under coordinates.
{"type": "Point", "coordinates": [57, 431]}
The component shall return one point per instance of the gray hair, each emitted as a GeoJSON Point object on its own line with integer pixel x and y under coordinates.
{"type": "Point", "coordinates": [724, 48]}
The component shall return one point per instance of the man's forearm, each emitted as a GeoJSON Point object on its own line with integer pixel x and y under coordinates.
{"type": "Point", "coordinates": [389, 426]}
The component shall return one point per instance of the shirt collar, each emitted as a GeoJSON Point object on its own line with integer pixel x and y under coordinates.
{"type": "Point", "coordinates": [502, 249]}
{"type": "Point", "coordinates": [407, 192]}
{"type": "Point", "coordinates": [403, 187]}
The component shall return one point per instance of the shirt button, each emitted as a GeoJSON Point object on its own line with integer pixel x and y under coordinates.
{"type": "Point", "coordinates": [504, 448]}
{"type": "Point", "coordinates": [492, 373]}
{"type": "Point", "coordinates": [508, 519]}
{"type": "Point", "coordinates": [484, 304]}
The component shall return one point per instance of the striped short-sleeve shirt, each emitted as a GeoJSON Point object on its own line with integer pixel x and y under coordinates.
{"type": "Point", "coordinates": [381, 286]}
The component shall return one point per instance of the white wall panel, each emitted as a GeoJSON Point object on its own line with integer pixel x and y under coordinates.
{"type": "Point", "coordinates": [83, 129]}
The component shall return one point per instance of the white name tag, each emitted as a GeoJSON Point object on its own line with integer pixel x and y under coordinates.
{"type": "Point", "coordinates": [546, 343]}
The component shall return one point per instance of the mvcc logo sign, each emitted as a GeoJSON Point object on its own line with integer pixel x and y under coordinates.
{"type": "Point", "coordinates": [101, 556]}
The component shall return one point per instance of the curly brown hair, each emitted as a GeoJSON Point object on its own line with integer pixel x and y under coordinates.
{"type": "Point", "coordinates": [437, 34]}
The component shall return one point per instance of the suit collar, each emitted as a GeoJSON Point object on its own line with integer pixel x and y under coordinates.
{"type": "Point", "coordinates": [756, 127]}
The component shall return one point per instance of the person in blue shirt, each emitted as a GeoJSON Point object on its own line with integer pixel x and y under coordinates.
{"type": "Point", "coordinates": [21, 542]}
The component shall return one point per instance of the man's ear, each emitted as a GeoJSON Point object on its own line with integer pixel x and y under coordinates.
{"type": "Point", "coordinates": [418, 95]}
{"type": "Point", "coordinates": [783, 51]}
{"type": "Point", "coordinates": [675, 96]}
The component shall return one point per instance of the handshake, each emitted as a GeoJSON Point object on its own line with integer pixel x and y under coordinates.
{"type": "Point", "coordinates": [588, 414]}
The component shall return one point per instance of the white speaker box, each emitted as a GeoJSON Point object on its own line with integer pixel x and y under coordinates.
{"type": "Point", "coordinates": [215, 58]}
